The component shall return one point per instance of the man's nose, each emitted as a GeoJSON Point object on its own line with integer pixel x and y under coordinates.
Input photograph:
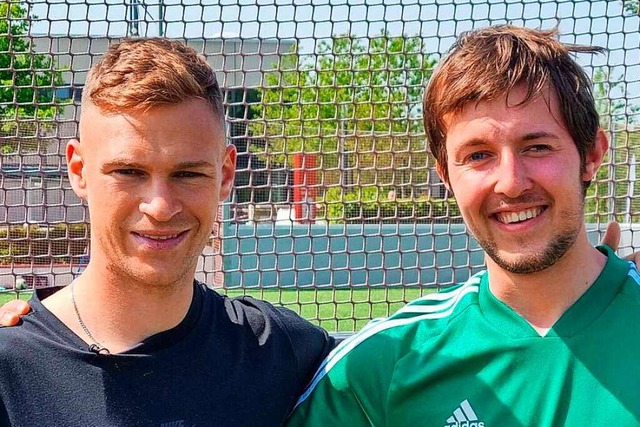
{"type": "Point", "coordinates": [511, 176]}
{"type": "Point", "coordinates": [160, 201]}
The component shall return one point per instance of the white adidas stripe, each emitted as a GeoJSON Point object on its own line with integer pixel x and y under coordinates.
{"type": "Point", "coordinates": [464, 412]}
{"type": "Point", "coordinates": [447, 293]}
{"type": "Point", "coordinates": [412, 307]}
{"type": "Point", "coordinates": [468, 411]}
{"type": "Point", "coordinates": [382, 324]}
{"type": "Point", "coordinates": [471, 286]}
{"type": "Point", "coordinates": [432, 308]}
{"type": "Point", "coordinates": [633, 272]}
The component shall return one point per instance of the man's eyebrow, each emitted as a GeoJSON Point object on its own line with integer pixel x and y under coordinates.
{"type": "Point", "coordinates": [473, 142]}
{"type": "Point", "coordinates": [538, 135]}
{"type": "Point", "coordinates": [121, 163]}
{"type": "Point", "coordinates": [131, 164]}
{"type": "Point", "coordinates": [200, 164]}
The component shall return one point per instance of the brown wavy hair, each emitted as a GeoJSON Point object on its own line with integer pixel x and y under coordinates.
{"type": "Point", "coordinates": [486, 64]}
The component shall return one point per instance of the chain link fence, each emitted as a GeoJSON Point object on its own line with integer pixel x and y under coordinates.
{"type": "Point", "coordinates": [338, 212]}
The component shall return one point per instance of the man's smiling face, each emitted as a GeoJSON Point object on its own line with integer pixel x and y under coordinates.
{"type": "Point", "coordinates": [517, 177]}
{"type": "Point", "coordinates": [153, 181]}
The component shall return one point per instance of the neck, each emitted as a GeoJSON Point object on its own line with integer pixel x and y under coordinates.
{"type": "Point", "coordinates": [543, 297]}
{"type": "Point", "coordinates": [118, 313]}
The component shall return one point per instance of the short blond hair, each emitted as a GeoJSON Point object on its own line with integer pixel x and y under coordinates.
{"type": "Point", "coordinates": [137, 74]}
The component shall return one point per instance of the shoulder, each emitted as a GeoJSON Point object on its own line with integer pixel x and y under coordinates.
{"type": "Point", "coordinates": [631, 286]}
{"type": "Point", "coordinates": [258, 314]}
{"type": "Point", "coordinates": [267, 321]}
{"type": "Point", "coordinates": [439, 308]}
{"type": "Point", "coordinates": [299, 345]}
{"type": "Point", "coordinates": [623, 272]}
{"type": "Point", "coordinates": [20, 340]}
{"type": "Point", "coordinates": [23, 348]}
{"type": "Point", "coordinates": [424, 317]}
{"type": "Point", "coordinates": [383, 342]}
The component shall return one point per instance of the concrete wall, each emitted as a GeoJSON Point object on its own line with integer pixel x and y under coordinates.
{"type": "Point", "coordinates": [269, 255]}
{"type": "Point", "coordinates": [274, 255]}
{"type": "Point", "coordinates": [239, 64]}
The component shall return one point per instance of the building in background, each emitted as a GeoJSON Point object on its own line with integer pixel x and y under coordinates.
{"type": "Point", "coordinates": [33, 183]}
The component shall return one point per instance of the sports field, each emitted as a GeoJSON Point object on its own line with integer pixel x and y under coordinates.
{"type": "Point", "coordinates": [336, 310]}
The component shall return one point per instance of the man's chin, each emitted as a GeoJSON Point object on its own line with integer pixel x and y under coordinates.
{"type": "Point", "coordinates": [520, 265]}
{"type": "Point", "coordinates": [530, 262]}
{"type": "Point", "coordinates": [158, 282]}
{"type": "Point", "coordinates": [157, 275]}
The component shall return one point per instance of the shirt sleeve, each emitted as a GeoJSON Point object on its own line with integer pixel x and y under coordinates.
{"type": "Point", "coordinates": [351, 386]}
{"type": "Point", "coordinates": [310, 343]}
{"type": "Point", "coordinates": [329, 404]}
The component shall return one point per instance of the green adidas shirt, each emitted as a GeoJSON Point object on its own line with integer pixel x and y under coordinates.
{"type": "Point", "coordinates": [462, 358]}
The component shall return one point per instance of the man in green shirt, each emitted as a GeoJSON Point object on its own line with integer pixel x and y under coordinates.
{"type": "Point", "coordinates": [547, 335]}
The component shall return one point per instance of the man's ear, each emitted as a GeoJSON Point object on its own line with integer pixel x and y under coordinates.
{"type": "Point", "coordinates": [228, 171]}
{"type": "Point", "coordinates": [440, 169]}
{"type": "Point", "coordinates": [595, 156]}
{"type": "Point", "coordinates": [75, 169]}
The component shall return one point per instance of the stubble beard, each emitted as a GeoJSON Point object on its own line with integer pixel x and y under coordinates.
{"type": "Point", "coordinates": [133, 276]}
{"type": "Point", "coordinates": [532, 263]}
{"type": "Point", "coordinates": [560, 243]}
{"type": "Point", "coordinates": [123, 268]}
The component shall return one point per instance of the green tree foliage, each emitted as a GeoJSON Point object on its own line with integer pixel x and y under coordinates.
{"type": "Point", "coordinates": [27, 79]}
{"type": "Point", "coordinates": [352, 87]}
{"type": "Point", "coordinates": [611, 101]}
{"type": "Point", "coordinates": [632, 6]}
{"type": "Point", "coordinates": [357, 103]}
{"type": "Point", "coordinates": [612, 195]}
{"type": "Point", "coordinates": [614, 192]}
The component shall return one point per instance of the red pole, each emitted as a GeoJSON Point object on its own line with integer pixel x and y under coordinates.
{"type": "Point", "coordinates": [310, 186]}
{"type": "Point", "coordinates": [304, 187]}
{"type": "Point", "coordinates": [298, 182]}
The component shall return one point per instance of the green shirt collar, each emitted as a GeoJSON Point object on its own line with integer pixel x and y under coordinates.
{"type": "Point", "coordinates": [579, 316]}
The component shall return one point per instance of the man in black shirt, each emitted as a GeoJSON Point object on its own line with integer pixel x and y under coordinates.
{"type": "Point", "coordinates": [135, 340]}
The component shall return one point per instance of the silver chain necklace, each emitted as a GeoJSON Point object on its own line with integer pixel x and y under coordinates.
{"type": "Point", "coordinates": [96, 346]}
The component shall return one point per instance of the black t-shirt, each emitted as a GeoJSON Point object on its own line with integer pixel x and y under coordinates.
{"type": "Point", "coordinates": [230, 362]}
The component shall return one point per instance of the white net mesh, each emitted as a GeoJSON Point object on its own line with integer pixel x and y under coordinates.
{"type": "Point", "coordinates": [337, 212]}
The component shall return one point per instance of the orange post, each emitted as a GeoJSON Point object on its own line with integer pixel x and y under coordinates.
{"type": "Point", "coordinates": [304, 187]}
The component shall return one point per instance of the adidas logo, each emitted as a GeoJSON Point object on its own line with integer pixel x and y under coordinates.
{"type": "Point", "coordinates": [464, 416]}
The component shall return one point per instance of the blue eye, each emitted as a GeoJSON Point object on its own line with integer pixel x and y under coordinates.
{"type": "Point", "coordinates": [127, 172]}
{"type": "Point", "coordinates": [476, 157]}
{"type": "Point", "coordinates": [539, 147]}
{"type": "Point", "coordinates": [188, 174]}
